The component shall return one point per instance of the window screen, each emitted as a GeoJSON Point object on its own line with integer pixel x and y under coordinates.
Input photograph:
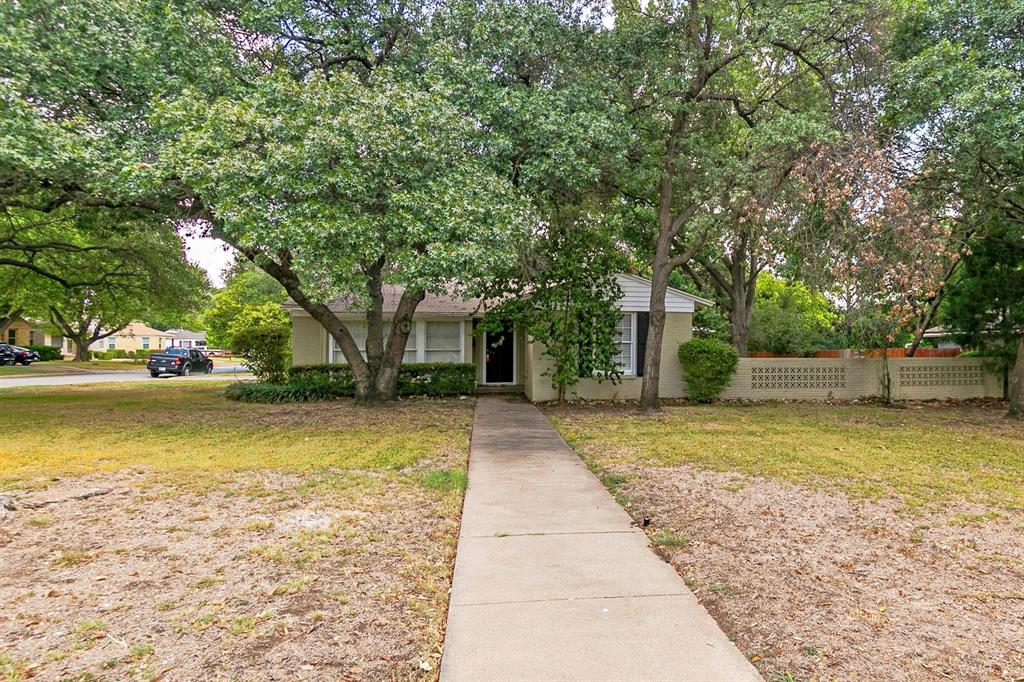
{"type": "Point", "coordinates": [444, 342]}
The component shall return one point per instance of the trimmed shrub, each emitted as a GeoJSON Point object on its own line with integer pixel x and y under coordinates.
{"type": "Point", "coordinates": [114, 354]}
{"type": "Point", "coordinates": [266, 351]}
{"type": "Point", "coordinates": [437, 378]}
{"type": "Point", "coordinates": [414, 378]}
{"type": "Point", "coordinates": [299, 391]}
{"type": "Point", "coordinates": [708, 366]}
{"type": "Point", "coordinates": [46, 352]}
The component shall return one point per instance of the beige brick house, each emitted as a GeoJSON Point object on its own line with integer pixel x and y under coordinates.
{"type": "Point", "coordinates": [23, 332]}
{"type": "Point", "coordinates": [135, 337]}
{"type": "Point", "coordinates": [443, 331]}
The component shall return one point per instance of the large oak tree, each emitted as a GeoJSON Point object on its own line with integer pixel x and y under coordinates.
{"type": "Point", "coordinates": [707, 83]}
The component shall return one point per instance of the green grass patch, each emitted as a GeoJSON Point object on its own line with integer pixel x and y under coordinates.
{"type": "Point", "coordinates": [13, 669]}
{"type": "Point", "coordinates": [71, 367]}
{"type": "Point", "coordinates": [72, 557]}
{"type": "Point", "coordinates": [445, 480]}
{"type": "Point", "coordinates": [666, 537]}
{"type": "Point", "coordinates": [924, 456]}
{"type": "Point", "coordinates": [191, 430]}
{"type": "Point", "coordinates": [243, 625]}
{"type": "Point", "coordinates": [87, 626]}
{"type": "Point", "coordinates": [140, 651]}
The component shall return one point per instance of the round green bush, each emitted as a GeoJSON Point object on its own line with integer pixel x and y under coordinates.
{"type": "Point", "coordinates": [266, 351]}
{"type": "Point", "coordinates": [708, 366]}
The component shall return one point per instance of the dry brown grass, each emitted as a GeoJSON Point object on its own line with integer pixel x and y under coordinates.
{"type": "Point", "coordinates": [833, 541]}
{"type": "Point", "coordinates": [254, 542]}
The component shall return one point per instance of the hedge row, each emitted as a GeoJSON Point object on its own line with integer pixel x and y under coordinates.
{"type": "Point", "coordinates": [121, 354]}
{"type": "Point", "coordinates": [324, 382]}
{"type": "Point", "coordinates": [296, 391]}
{"type": "Point", "coordinates": [46, 352]}
{"type": "Point", "coordinates": [414, 378]}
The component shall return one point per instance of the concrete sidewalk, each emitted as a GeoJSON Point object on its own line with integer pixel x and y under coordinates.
{"type": "Point", "coordinates": [552, 582]}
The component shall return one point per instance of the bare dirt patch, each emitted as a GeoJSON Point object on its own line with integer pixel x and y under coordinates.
{"type": "Point", "coordinates": [255, 542]}
{"type": "Point", "coordinates": [817, 585]}
{"type": "Point", "coordinates": [265, 576]}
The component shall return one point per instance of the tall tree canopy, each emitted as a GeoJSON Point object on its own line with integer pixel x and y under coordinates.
{"type": "Point", "coordinates": [956, 103]}
{"type": "Point", "coordinates": [342, 147]}
{"type": "Point", "coordinates": [249, 297]}
{"type": "Point", "coordinates": [710, 89]}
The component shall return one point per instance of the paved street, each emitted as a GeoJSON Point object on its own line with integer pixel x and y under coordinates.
{"type": "Point", "coordinates": [98, 377]}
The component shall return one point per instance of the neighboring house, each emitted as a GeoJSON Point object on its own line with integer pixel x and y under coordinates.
{"type": "Point", "coordinates": [24, 332]}
{"type": "Point", "coordinates": [443, 327]}
{"type": "Point", "coordinates": [135, 337]}
{"type": "Point", "coordinates": [183, 338]}
{"type": "Point", "coordinates": [941, 337]}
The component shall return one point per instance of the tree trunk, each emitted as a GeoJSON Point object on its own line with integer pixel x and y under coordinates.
{"type": "Point", "coordinates": [933, 306]}
{"type": "Point", "coordinates": [740, 329]}
{"type": "Point", "coordinates": [649, 398]}
{"type": "Point", "coordinates": [923, 323]}
{"type": "Point", "coordinates": [743, 287]}
{"type": "Point", "coordinates": [386, 379]}
{"type": "Point", "coordinates": [886, 377]}
{"type": "Point", "coordinates": [1016, 392]}
{"type": "Point", "coordinates": [737, 283]}
{"type": "Point", "coordinates": [81, 347]}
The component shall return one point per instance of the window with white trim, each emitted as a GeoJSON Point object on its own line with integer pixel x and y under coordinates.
{"type": "Point", "coordinates": [111, 343]}
{"type": "Point", "coordinates": [358, 332]}
{"type": "Point", "coordinates": [625, 339]}
{"type": "Point", "coordinates": [145, 343]}
{"type": "Point", "coordinates": [443, 342]}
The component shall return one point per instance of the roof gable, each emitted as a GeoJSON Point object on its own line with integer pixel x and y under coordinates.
{"type": "Point", "coordinates": [636, 296]}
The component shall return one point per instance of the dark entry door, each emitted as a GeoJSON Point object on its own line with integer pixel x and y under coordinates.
{"type": "Point", "coordinates": [499, 362]}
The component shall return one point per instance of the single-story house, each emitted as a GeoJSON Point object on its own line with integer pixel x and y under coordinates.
{"type": "Point", "coordinates": [941, 337]}
{"type": "Point", "coordinates": [443, 331]}
{"type": "Point", "coordinates": [135, 337]}
{"type": "Point", "coordinates": [184, 338]}
{"type": "Point", "coordinates": [24, 332]}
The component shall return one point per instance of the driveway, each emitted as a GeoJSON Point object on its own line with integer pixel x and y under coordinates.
{"type": "Point", "coordinates": [120, 375]}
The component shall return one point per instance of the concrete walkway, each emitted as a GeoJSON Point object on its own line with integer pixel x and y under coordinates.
{"type": "Point", "coordinates": [552, 582]}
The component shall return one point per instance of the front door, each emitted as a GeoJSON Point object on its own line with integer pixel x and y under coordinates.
{"type": "Point", "coordinates": [500, 357]}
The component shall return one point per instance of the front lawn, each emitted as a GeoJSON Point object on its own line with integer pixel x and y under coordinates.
{"type": "Point", "coordinates": [71, 367]}
{"type": "Point", "coordinates": [922, 455]}
{"type": "Point", "coordinates": [227, 540]}
{"type": "Point", "coordinates": [34, 369]}
{"type": "Point", "coordinates": [833, 541]}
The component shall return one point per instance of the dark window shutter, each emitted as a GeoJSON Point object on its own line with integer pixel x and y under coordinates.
{"type": "Point", "coordinates": [642, 320]}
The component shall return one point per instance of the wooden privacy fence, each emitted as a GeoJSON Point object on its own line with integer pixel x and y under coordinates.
{"type": "Point", "coordinates": [900, 352]}
{"type": "Point", "coordinates": [851, 378]}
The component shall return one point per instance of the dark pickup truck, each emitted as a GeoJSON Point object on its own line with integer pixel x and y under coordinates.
{"type": "Point", "coordinates": [180, 361]}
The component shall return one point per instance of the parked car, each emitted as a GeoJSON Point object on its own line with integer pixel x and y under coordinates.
{"type": "Point", "coordinates": [10, 355]}
{"type": "Point", "coordinates": [180, 361]}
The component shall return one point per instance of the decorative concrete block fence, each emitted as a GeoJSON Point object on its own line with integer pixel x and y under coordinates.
{"type": "Point", "coordinates": [851, 378]}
